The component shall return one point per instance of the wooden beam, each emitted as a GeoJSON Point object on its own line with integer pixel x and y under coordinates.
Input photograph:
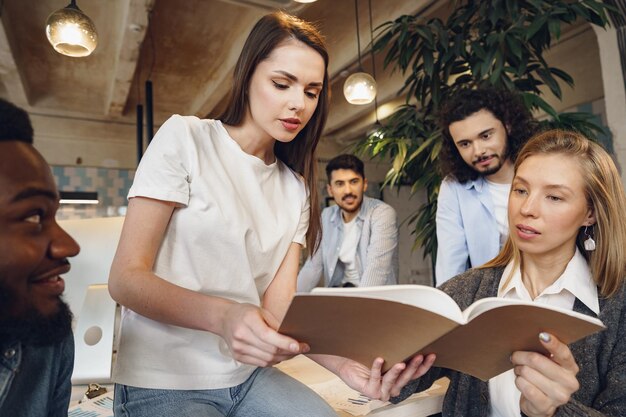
{"type": "Point", "coordinates": [133, 28]}
{"type": "Point", "coordinates": [9, 74]}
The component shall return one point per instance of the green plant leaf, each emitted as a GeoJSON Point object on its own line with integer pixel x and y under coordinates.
{"type": "Point", "coordinates": [500, 43]}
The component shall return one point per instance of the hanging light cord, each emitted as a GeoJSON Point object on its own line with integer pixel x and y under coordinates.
{"type": "Point", "coordinates": [358, 39]}
{"type": "Point", "coordinates": [152, 49]}
{"type": "Point", "coordinates": [369, 5]}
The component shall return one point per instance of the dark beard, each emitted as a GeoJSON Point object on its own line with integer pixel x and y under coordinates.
{"type": "Point", "coordinates": [501, 160]}
{"type": "Point", "coordinates": [491, 171]}
{"type": "Point", "coordinates": [32, 328]}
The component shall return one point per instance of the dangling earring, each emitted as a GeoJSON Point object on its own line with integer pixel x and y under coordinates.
{"type": "Point", "coordinates": [589, 243]}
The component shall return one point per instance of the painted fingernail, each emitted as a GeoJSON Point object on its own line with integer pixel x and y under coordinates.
{"type": "Point", "coordinates": [545, 337]}
{"type": "Point", "coordinates": [305, 348]}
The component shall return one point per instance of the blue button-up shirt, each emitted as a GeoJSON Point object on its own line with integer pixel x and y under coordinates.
{"type": "Point", "coordinates": [376, 253]}
{"type": "Point", "coordinates": [35, 380]}
{"type": "Point", "coordinates": [467, 230]}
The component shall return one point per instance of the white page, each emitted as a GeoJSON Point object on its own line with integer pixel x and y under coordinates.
{"type": "Point", "coordinates": [100, 406]}
{"type": "Point", "coordinates": [490, 303]}
{"type": "Point", "coordinates": [422, 296]}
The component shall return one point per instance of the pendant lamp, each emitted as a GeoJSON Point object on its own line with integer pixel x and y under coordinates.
{"type": "Point", "coordinates": [71, 32]}
{"type": "Point", "coordinates": [360, 87]}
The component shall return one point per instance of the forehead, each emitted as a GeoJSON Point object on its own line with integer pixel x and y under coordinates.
{"type": "Point", "coordinates": [22, 167]}
{"type": "Point", "coordinates": [474, 124]}
{"type": "Point", "coordinates": [296, 58]}
{"type": "Point", "coordinates": [552, 169]}
{"type": "Point", "coordinates": [343, 175]}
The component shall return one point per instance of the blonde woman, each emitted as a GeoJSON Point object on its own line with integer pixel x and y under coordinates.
{"type": "Point", "coordinates": [566, 247]}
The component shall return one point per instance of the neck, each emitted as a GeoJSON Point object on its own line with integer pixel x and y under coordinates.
{"type": "Point", "coordinates": [541, 271]}
{"type": "Point", "coordinates": [252, 142]}
{"type": "Point", "coordinates": [504, 175]}
{"type": "Point", "coordinates": [348, 216]}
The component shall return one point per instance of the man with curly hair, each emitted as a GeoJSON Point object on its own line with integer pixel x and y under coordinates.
{"type": "Point", "coordinates": [483, 131]}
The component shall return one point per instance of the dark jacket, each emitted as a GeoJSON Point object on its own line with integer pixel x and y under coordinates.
{"type": "Point", "coordinates": [601, 358]}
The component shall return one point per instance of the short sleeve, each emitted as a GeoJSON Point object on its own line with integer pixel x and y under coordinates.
{"type": "Point", "coordinates": [303, 225]}
{"type": "Point", "coordinates": [164, 172]}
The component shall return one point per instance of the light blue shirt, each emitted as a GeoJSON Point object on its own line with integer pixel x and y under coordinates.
{"type": "Point", "coordinates": [467, 230]}
{"type": "Point", "coordinates": [376, 253]}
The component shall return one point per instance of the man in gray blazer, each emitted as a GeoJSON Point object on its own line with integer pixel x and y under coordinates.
{"type": "Point", "coordinates": [359, 246]}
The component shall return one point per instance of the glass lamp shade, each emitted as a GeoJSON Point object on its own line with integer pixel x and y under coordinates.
{"type": "Point", "coordinates": [360, 88]}
{"type": "Point", "coordinates": [71, 32]}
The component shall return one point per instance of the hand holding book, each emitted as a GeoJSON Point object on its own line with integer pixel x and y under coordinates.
{"type": "Point", "coordinates": [397, 322]}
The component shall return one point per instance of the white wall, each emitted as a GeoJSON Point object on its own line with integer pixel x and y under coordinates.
{"type": "Point", "coordinates": [414, 269]}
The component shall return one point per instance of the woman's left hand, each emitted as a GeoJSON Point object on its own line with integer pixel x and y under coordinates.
{"type": "Point", "coordinates": [373, 384]}
{"type": "Point", "coordinates": [546, 382]}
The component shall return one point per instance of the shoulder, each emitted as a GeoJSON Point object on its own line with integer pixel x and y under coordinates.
{"type": "Point", "coordinates": [614, 307]}
{"type": "Point", "coordinates": [176, 121]}
{"type": "Point", "coordinates": [451, 183]}
{"type": "Point", "coordinates": [473, 284]}
{"type": "Point", "coordinates": [183, 131]}
{"type": "Point", "coordinates": [195, 125]}
{"type": "Point", "coordinates": [329, 212]}
{"type": "Point", "coordinates": [449, 188]}
{"type": "Point", "coordinates": [52, 358]}
{"type": "Point", "coordinates": [377, 206]}
{"type": "Point", "coordinates": [64, 349]}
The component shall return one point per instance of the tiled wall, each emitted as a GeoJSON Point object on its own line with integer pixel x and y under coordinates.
{"type": "Point", "coordinates": [111, 184]}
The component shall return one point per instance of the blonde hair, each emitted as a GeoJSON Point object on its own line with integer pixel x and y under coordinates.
{"type": "Point", "coordinates": [605, 195]}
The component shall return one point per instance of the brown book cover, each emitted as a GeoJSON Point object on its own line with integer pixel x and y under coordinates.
{"type": "Point", "coordinates": [396, 322]}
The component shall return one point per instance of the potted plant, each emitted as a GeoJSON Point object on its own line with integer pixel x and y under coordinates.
{"type": "Point", "coordinates": [499, 43]}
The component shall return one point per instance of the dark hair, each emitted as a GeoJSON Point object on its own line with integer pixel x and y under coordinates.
{"type": "Point", "coordinates": [299, 154]}
{"type": "Point", "coordinates": [14, 123]}
{"type": "Point", "coordinates": [345, 161]}
{"type": "Point", "coordinates": [504, 105]}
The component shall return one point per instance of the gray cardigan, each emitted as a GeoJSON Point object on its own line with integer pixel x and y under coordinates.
{"type": "Point", "coordinates": [601, 358]}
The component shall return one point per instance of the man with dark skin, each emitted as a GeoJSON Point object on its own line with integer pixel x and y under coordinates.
{"type": "Point", "coordinates": [36, 342]}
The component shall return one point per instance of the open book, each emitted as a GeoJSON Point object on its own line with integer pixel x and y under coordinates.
{"type": "Point", "coordinates": [398, 321]}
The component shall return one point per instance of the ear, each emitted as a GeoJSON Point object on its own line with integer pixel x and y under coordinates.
{"type": "Point", "coordinates": [590, 220]}
{"type": "Point", "coordinates": [329, 190]}
{"type": "Point", "coordinates": [364, 184]}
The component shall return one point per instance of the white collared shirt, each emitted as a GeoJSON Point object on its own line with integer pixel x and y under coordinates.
{"type": "Point", "coordinates": [575, 282]}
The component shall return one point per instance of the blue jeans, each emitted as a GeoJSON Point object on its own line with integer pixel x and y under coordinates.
{"type": "Point", "coordinates": [267, 393]}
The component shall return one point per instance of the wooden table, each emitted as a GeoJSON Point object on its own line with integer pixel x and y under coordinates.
{"type": "Point", "coordinates": [418, 405]}
{"type": "Point", "coordinates": [309, 373]}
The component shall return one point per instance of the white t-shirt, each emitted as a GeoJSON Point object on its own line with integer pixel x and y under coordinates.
{"type": "Point", "coordinates": [500, 197]}
{"type": "Point", "coordinates": [347, 253]}
{"type": "Point", "coordinates": [236, 220]}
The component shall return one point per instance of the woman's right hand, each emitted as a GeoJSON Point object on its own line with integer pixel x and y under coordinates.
{"type": "Point", "coordinates": [250, 334]}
